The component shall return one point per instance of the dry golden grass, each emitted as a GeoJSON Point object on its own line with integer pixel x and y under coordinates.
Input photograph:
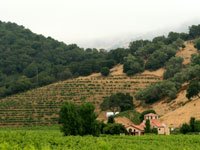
{"type": "Point", "coordinates": [187, 52]}
{"type": "Point", "coordinates": [158, 72]}
{"type": "Point", "coordinates": [182, 114]}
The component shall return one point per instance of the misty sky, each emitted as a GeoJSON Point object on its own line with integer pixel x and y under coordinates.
{"type": "Point", "coordinates": [81, 21]}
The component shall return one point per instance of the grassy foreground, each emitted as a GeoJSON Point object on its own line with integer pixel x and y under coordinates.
{"type": "Point", "coordinates": [52, 139]}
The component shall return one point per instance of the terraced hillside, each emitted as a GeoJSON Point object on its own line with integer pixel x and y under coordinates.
{"type": "Point", "coordinates": [41, 106]}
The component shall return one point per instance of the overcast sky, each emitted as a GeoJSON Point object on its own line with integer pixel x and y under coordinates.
{"type": "Point", "coordinates": [82, 21]}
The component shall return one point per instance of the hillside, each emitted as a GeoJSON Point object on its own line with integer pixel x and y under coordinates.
{"type": "Point", "coordinates": [178, 111]}
{"type": "Point", "coordinates": [41, 106]}
{"type": "Point", "coordinates": [29, 60]}
{"type": "Point", "coordinates": [47, 73]}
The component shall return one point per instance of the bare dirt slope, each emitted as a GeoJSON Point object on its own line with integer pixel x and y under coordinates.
{"type": "Point", "coordinates": [182, 114]}
{"type": "Point", "coordinates": [158, 72]}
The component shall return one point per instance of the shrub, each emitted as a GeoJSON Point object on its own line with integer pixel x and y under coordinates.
{"type": "Point", "coordinates": [197, 44]}
{"type": "Point", "coordinates": [114, 128]}
{"type": "Point", "coordinates": [105, 71]}
{"type": "Point", "coordinates": [79, 120]}
{"type": "Point", "coordinates": [185, 128]}
{"type": "Point", "coordinates": [192, 124]}
{"type": "Point", "coordinates": [133, 65]}
{"type": "Point", "coordinates": [157, 91]}
{"type": "Point", "coordinates": [197, 126]}
{"type": "Point", "coordinates": [111, 119]}
{"type": "Point", "coordinates": [118, 102]}
{"type": "Point", "coordinates": [193, 89]}
{"type": "Point", "coordinates": [147, 128]}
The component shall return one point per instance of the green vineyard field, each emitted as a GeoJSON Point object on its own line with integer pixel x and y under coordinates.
{"type": "Point", "coordinates": [52, 139]}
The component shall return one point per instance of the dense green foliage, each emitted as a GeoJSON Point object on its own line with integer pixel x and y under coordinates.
{"type": "Point", "coordinates": [197, 44]}
{"type": "Point", "coordinates": [29, 60]}
{"type": "Point", "coordinates": [118, 102]}
{"type": "Point", "coordinates": [111, 119]}
{"type": "Point", "coordinates": [54, 140]}
{"type": "Point", "coordinates": [194, 126]}
{"type": "Point", "coordinates": [114, 129]}
{"type": "Point", "coordinates": [173, 66]}
{"type": "Point", "coordinates": [147, 128]}
{"type": "Point", "coordinates": [79, 120]}
{"type": "Point", "coordinates": [157, 91]}
{"type": "Point", "coordinates": [185, 128]}
{"type": "Point", "coordinates": [194, 31]}
{"type": "Point", "coordinates": [193, 89]}
{"type": "Point", "coordinates": [133, 65]}
{"type": "Point", "coordinates": [157, 52]}
{"type": "Point", "coordinates": [105, 71]}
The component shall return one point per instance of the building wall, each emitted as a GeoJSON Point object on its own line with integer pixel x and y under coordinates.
{"type": "Point", "coordinates": [151, 117]}
{"type": "Point", "coordinates": [167, 131]}
{"type": "Point", "coordinates": [164, 131]}
{"type": "Point", "coordinates": [161, 130]}
{"type": "Point", "coordinates": [138, 132]}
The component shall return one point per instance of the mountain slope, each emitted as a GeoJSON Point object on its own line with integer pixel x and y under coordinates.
{"type": "Point", "coordinates": [29, 60]}
{"type": "Point", "coordinates": [178, 111]}
{"type": "Point", "coordinates": [41, 106]}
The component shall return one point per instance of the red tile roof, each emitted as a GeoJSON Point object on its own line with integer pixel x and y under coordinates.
{"type": "Point", "coordinates": [157, 123]}
{"type": "Point", "coordinates": [151, 114]}
{"type": "Point", "coordinates": [139, 127]}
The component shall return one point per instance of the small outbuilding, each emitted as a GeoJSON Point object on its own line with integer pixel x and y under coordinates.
{"type": "Point", "coordinates": [135, 129]}
{"type": "Point", "coordinates": [108, 114]}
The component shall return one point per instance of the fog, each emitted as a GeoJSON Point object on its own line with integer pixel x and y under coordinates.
{"type": "Point", "coordinates": [101, 23]}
